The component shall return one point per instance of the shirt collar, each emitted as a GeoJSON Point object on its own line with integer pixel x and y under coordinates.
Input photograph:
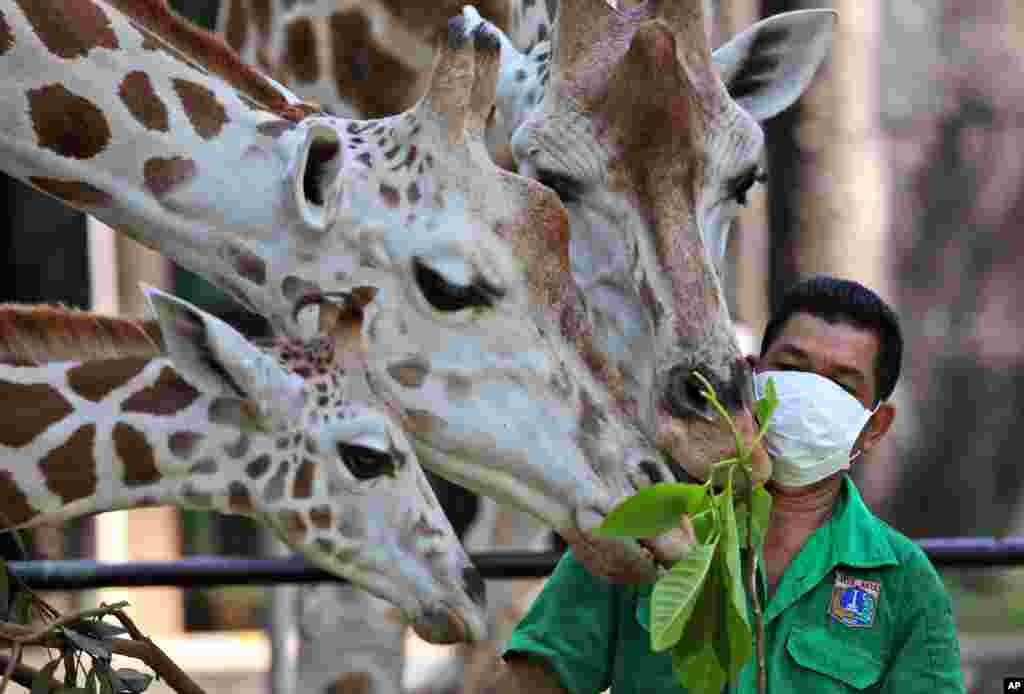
{"type": "Point", "coordinates": [853, 536]}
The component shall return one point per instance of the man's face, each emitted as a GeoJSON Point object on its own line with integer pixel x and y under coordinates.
{"type": "Point", "coordinates": [840, 352]}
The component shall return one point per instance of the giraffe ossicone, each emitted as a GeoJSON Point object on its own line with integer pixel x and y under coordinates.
{"type": "Point", "coordinates": [334, 477]}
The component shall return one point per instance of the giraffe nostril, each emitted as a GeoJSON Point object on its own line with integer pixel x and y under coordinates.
{"type": "Point", "coordinates": [474, 584]}
{"type": "Point", "coordinates": [652, 470]}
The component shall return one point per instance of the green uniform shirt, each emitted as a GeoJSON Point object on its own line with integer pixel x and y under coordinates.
{"type": "Point", "coordinates": [860, 608]}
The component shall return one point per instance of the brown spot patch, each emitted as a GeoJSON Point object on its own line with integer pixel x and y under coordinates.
{"type": "Point", "coordinates": [67, 124]}
{"type": "Point", "coordinates": [258, 466]}
{"type": "Point", "coordinates": [183, 443]}
{"type": "Point", "coordinates": [293, 525]}
{"type": "Point", "coordinates": [300, 56]}
{"type": "Point", "coordinates": [351, 683]}
{"type": "Point", "coordinates": [591, 416]}
{"type": "Point", "coordinates": [141, 100]}
{"type": "Point", "coordinates": [6, 37]}
{"type": "Point", "coordinates": [70, 469]}
{"type": "Point", "coordinates": [650, 299]}
{"type": "Point", "coordinates": [410, 372]}
{"type": "Point", "coordinates": [237, 24]}
{"type": "Point", "coordinates": [136, 454]}
{"type": "Point", "coordinates": [169, 395]}
{"type": "Point", "coordinates": [458, 387]}
{"type": "Point", "coordinates": [390, 196]}
{"type": "Point", "coordinates": [261, 15]}
{"type": "Point", "coordinates": [274, 128]}
{"type": "Point", "coordinates": [71, 32]}
{"type": "Point", "coordinates": [95, 381]}
{"type": "Point", "coordinates": [14, 506]}
{"type": "Point", "coordinates": [206, 466]}
{"type": "Point", "coordinates": [239, 448]}
{"type": "Point", "coordinates": [321, 517]}
{"type": "Point", "coordinates": [163, 174]}
{"type": "Point", "coordinates": [422, 422]}
{"type": "Point", "coordinates": [274, 491]}
{"type": "Point", "coordinates": [29, 410]}
{"type": "Point", "coordinates": [302, 487]}
{"type": "Point", "coordinates": [246, 263]}
{"type": "Point", "coordinates": [358, 60]}
{"type": "Point", "coordinates": [203, 108]}
{"type": "Point", "coordinates": [75, 193]}
{"type": "Point", "coordinates": [239, 499]}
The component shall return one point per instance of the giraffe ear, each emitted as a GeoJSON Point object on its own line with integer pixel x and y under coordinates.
{"type": "Point", "coordinates": [217, 359]}
{"type": "Point", "coordinates": [768, 66]}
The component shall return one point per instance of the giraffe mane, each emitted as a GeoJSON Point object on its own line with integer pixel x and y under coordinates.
{"type": "Point", "coordinates": [213, 53]}
{"type": "Point", "coordinates": [31, 335]}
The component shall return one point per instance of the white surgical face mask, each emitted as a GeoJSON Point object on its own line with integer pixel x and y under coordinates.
{"type": "Point", "coordinates": [811, 434]}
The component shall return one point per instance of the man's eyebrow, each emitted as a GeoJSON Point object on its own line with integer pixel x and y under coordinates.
{"type": "Point", "coordinates": [839, 369]}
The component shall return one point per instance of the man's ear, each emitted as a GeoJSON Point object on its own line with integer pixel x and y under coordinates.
{"type": "Point", "coordinates": [877, 426]}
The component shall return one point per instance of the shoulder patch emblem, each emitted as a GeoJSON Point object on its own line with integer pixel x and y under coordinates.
{"type": "Point", "coordinates": [854, 600]}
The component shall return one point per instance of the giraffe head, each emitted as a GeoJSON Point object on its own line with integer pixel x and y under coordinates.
{"type": "Point", "coordinates": [334, 477]}
{"type": "Point", "coordinates": [651, 143]}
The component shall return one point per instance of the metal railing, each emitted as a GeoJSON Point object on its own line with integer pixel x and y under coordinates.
{"type": "Point", "coordinates": [205, 571]}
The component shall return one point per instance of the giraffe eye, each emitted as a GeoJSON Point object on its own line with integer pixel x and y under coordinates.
{"type": "Point", "coordinates": [448, 297]}
{"type": "Point", "coordinates": [366, 463]}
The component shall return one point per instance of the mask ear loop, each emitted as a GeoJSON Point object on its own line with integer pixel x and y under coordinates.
{"type": "Point", "coordinates": [858, 453]}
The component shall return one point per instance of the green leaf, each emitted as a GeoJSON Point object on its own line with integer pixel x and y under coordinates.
{"type": "Point", "coordinates": [761, 514]}
{"type": "Point", "coordinates": [703, 525]}
{"type": "Point", "coordinates": [70, 668]}
{"type": "Point", "coordinates": [134, 681]}
{"type": "Point", "coordinates": [41, 682]}
{"type": "Point", "coordinates": [675, 594]}
{"type": "Point", "coordinates": [700, 672]}
{"type": "Point", "coordinates": [695, 658]}
{"type": "Point", "coordinates": [90, 681]}
{"type": "Point", "coordinates": [764, 408]}
{"type": "Point", "coordinates": [94, 647]}
{"type": "Point", "coordinates": [653, 510]}
{"type": "Point", "coordinates": [729, 548]}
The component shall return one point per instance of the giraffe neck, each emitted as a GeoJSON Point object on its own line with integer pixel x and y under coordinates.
{"type": "Point", "coordinates": [89, 437]}
{"type": "Point", "coordinates": [131, 114]}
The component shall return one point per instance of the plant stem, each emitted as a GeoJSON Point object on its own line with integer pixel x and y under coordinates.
{"type": "Point", "coordinates": [750, 567]}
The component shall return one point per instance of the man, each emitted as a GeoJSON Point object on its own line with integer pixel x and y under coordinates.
{"type": "Point", "coordinates": [850, 604]}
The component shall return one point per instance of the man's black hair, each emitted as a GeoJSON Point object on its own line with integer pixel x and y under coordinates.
{"type": "Point", "coordinates": [845, 301]}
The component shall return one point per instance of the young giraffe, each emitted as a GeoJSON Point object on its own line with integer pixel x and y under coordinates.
{"type": "Point", "coordinates": [222, 425]}
{"type": "Point", "coordinates": [470, 262]}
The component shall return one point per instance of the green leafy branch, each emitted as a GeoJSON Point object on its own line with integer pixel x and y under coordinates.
{"type": "Point", "coordinates": [699, 606]}
{"type": "Point", "coordinates": [84, 633]}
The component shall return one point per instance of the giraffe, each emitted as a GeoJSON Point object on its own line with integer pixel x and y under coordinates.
{"type": "Point", "coordinates": [285, 208]}
{"type": "Point", "coordinates": [222, 425]}
{"type": "Point", "coordinates": [651, 143]}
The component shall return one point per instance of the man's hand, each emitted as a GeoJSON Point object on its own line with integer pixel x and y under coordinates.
{"type": "Point", "coordinates": [521, 674]}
